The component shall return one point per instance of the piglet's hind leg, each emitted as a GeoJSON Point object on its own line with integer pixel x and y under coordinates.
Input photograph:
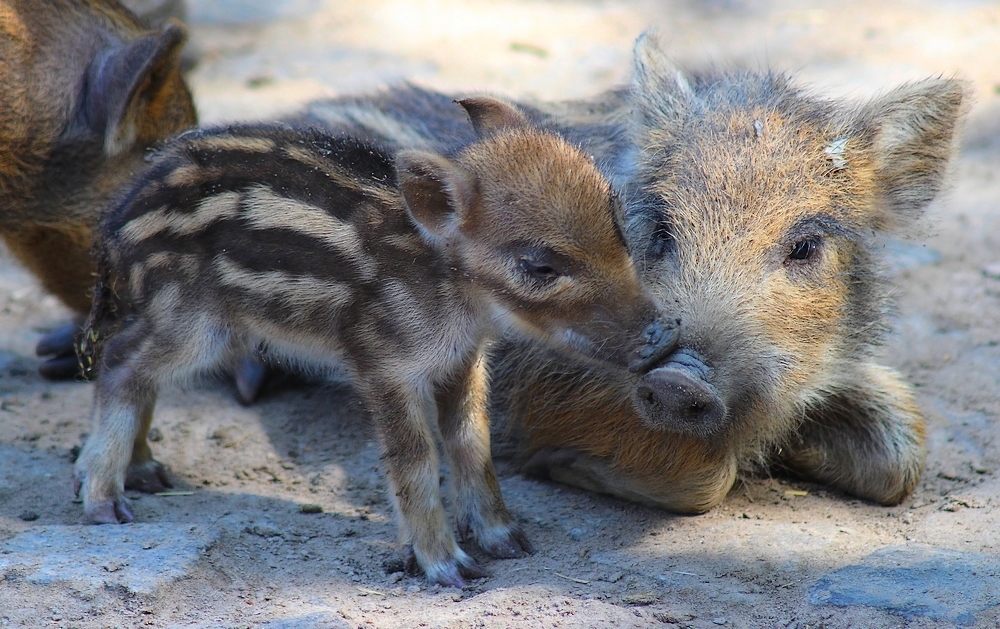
{"type": "Point", "coordinates": [123, 411]}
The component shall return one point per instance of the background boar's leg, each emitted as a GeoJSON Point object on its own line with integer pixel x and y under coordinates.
{"type": "Point", "coordinates": [867, 440]}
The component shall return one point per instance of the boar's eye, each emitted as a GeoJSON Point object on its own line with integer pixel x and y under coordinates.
{"type": "Point", "coordinates": [804, 249]}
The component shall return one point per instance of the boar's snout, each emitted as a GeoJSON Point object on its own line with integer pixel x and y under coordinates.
{"type": "Point", "coordinates": [676, 397]}
{"type": "Point", "coordinates": [659, 340]}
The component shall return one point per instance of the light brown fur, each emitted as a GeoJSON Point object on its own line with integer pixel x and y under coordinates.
{"type": "Point", "coordinates": [726, 175]}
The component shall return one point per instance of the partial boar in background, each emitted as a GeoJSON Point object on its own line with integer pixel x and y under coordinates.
{"type": "Point", "coordinates": [85, 89]}
{"type": "Point", "coordinates": [754, 210]}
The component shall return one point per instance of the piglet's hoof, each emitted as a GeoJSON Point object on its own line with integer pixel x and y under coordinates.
{"type": "Point", "coordinates": [251, 376]}
{"type": "Point", "coordinates": [513, 546]}
{"type": "Point", "coordinates": [449, 574]}
{"type": "Point", "coordinates": [149, 477]}
{"type": "Point", "coordinates": [112, 511]}
{"type": "Point", "coordinates": [509, 542]}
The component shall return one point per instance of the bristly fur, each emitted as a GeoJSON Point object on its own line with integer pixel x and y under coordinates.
{"type": "Point", "coordinates": [724, 174]}
{"type": "Point", "coordinates": [102, 310]}
{"type": "Point", "coordinates": [336, 251]}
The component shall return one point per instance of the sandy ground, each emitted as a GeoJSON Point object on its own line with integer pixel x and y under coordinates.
{"type": "Point", "coordinates": [236, 550]}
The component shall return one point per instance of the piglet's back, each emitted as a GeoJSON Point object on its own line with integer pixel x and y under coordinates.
{"type": "Point", "coordinates": [250, 199]}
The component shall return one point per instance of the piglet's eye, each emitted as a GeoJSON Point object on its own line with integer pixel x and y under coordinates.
{"type": "Point", "coordinates": [541, 264]}
{"type": "Point", "coordinates": [537, 269]}
{"type": "Point", "coordinates": [804, 249]}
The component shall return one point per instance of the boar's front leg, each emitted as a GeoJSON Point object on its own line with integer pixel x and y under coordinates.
{"type": "Point", "coordinates": [401, 411]}
{"type": "Point", "coordinates": [682, 481]}
{"type": "Point", "coordinates": [867, 439]}
{"type": "Point", "coordinates": [479, 507]}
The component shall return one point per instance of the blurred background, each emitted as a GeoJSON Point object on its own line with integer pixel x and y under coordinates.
{"type": "Point", "coordinates": [260, 57]}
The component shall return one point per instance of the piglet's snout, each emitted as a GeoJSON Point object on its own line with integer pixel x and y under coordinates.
{"type": "Point", "coordinates": [677, 397]}
{"type": "Point", "coordinates": [659, 340]}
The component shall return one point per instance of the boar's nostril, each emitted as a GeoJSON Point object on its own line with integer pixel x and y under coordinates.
{"type": "Point", "coordinates": [674, 400]}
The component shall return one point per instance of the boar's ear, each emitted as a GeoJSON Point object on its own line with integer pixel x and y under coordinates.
{"type": "Point", "coordinates": [135, 89]}
{"type": "Point", "coordinates": [658, 86]}
{"type": "Point", "coordinates": [911, 135]}
{"type": "Point", "coordinates": [436, 191]}
{"type": "Point", "coordinates": [490, 115]}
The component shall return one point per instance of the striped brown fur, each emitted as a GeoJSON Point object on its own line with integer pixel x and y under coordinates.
{"type": "Point", "coordinates": [326, 251]}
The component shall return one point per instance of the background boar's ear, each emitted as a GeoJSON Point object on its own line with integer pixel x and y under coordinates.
{"type": "Point", "coordinates": [436, 191]}
{"type": "Point", "coordinates": [490, 115]}
{"type": "Point", "coordinates": [125, 84]}
{"type": "Point", "coordinates": [911, 131]}
{"type": "Point", "coordinates": [658, 86]}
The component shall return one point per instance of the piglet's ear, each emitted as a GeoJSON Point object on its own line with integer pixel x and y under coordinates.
{"type": "Point", "coordinates": [437, 192]}
{"type": "Point", "coordinates": [127, 85]}
{"type": "Point", "coordinates": [910, 132]}
{"type": "Point", "coordinates": [490, 115]}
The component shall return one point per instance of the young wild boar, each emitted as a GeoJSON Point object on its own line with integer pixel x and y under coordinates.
{"type": "Point", "coordinates": [85, 89]}
{"type": "Point", "coordinates": [314, 249]}
{"type": "Point", "coordinates": [755, 211]}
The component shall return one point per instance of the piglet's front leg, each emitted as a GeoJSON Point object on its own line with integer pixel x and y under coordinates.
{"type": "Point", "coordinates": [479, 506]}
{"type": "Point", "coordinates": [413, 469]}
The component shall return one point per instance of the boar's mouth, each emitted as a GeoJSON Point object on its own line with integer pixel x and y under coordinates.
{"type": "Point", "coordinates": [677, 397]}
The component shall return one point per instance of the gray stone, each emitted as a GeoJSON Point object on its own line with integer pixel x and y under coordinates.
{"type": "Point", "coordinates": [137, 557]}
{"type": "Point", "coordinates": [320, 620]}
{"type": "Point", "coordinates": [916, 580]}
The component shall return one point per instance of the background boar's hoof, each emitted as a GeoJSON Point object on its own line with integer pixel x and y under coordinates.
{"type": "Point", "coordinates": [149, 477]}
{"type": "Point", "coordinates": [60, 344]}
{"type": "Point", "coordinates": [539, 465]}
{"type": "Point", "coordinates": [676, 398]}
